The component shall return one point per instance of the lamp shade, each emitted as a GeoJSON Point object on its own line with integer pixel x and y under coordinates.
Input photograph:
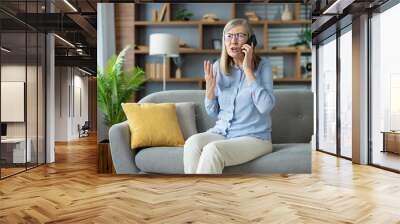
{"type": "Point", "coordinates": [164, 44]}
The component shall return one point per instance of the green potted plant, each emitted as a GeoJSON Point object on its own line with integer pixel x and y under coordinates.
{"type": "Point", "coordinates": [305, 38]}
{"type": "Point", "coordinates": [178, 61]}
{"type": "Point", "coordinates": [183, 14]}
{"type": "Point", "coordinates": [115, 86]}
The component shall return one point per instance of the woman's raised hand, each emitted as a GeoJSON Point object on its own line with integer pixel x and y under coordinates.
{"type": "Point", "coordinates": [210, 78]}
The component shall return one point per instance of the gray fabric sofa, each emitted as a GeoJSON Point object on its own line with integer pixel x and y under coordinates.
{"type": "Point", "coordinates": [292, 128]}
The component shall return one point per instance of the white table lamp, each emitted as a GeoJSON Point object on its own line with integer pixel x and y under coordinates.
{"type": "Point", "coordinates": [166, 45]}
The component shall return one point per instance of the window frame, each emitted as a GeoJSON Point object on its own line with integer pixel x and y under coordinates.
{"type": "Point", "coordinates": [338, 32]}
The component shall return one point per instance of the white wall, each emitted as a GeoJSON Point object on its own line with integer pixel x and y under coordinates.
{"type": "Point", "coordinates": [79, 117]}
{"type": "Point", "coordinates": [105, 48]}
{"type": "Point", "coordinates": [17, 73]}
{"type": "Point", "coordinates": [61, 103]}
{"type": "Point", "coordinates": [34, 125]}
{"type": "Point", "coordinates": [70, 83]}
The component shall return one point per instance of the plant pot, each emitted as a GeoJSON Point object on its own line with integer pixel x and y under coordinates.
{"type": "Point", "coordinates": [104, 159]}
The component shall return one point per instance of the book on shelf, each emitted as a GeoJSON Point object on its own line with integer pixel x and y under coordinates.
{"type": "Point", "coordinates": [154, 71]}
{"type": "Point", "coordinates": [150, 70]}
{"type": "Point", "coordinates": [158, 71]}
{"type": "Point", "coordinates": [162, 12]}
{"type": "Point", "coordinates": [147, 70]}
{"type": "Point", "coordinates": [154, 17]}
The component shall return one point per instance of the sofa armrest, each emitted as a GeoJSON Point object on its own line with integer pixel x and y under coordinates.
{"type": "Point", "coordinates": [123, 156]}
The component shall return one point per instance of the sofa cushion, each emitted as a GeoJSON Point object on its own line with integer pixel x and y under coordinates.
{"type": "Point", "coordinates": [153, 124]}
{"type": "Point", "coordinates": [203, 121]}
{"type": "Point", "coordinates": [187, 119]}
{"type": "Point", "coordinates": [160, 160]}
{"type": "Point", "coordinates": [285, 158]}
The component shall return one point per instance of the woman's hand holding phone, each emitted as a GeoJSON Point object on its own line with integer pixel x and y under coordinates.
{"type": "Point", "coordinates": [210, 78]}
{"type": "Point", "coordinates": [248, 61]}
{"type": "Point", "coordinates": [248, 58]}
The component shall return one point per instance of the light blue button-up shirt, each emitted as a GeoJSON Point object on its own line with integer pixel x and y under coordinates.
{"type": "Point", "coordinates": [242, 107]}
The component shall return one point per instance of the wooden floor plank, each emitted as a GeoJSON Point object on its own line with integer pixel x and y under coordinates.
{"type": "Point", "coordinates": [70, 191]}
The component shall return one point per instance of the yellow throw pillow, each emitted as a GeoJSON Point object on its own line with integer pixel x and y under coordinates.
{"type": "Point", "coordinates": [153, 124]}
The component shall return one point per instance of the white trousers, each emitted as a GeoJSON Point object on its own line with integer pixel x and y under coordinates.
{"type": "Point", "coordinates": [209, 153]}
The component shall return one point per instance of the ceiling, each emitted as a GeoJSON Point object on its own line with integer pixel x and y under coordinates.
{"type": "Point", "coordinates": [202, 1]}
{"type": "Point", "coordinates": [330, 15]}
{"type": "Point", "coordinates": [74, 21]}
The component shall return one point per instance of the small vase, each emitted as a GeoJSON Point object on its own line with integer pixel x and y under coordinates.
{"type": "Point", "coordinates": [286, 14]}
{"type": "Point", "coordinates": [178, 73]}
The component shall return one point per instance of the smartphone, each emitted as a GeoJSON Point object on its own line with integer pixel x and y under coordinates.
{"type": "Point", "coordinates": [252, 39]}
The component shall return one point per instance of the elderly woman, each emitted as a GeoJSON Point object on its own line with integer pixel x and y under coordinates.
{"type": "Point", "coordinates": [239, 93]}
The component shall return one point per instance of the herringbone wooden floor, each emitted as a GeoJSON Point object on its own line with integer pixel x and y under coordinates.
{"type": "Point", "coordinates": [70, 191]}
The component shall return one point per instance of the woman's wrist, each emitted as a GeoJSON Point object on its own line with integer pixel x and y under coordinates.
{"type": "Point", "coordinates": [210, 95]}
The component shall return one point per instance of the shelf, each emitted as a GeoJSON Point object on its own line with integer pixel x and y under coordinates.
{"type": "Point", "coordinates": [292, 80]}
{"type": "Point", "coordinates": [177, 80]}
{"type": "Point", "coordinates": [145, 50]}
{"type": "Point", "coordinates": [290, 22]}
{"type": "Point", "coordinates": [287, 50]}
{"type": "Point", "coordinates": [180, 23]}
{"type": "Point", "coordinates": [280, 80]}
{"type": "Point", "coordinates": [218, 23]}
{"type": "Point", "coordinates": [166, 23]}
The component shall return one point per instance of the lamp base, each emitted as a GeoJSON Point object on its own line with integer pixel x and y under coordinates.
{"type": "Point", "coordinates": [164, 72]}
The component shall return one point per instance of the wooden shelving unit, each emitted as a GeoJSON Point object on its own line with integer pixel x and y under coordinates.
{"type": "Point", "coordinates": [215, 51]}
{"type": "Point", "coordinates": [218, 23]}
{"type": "Point", "coordinates": [201, 25]}
{"type": "Point", "coordinates": [201, 82]}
